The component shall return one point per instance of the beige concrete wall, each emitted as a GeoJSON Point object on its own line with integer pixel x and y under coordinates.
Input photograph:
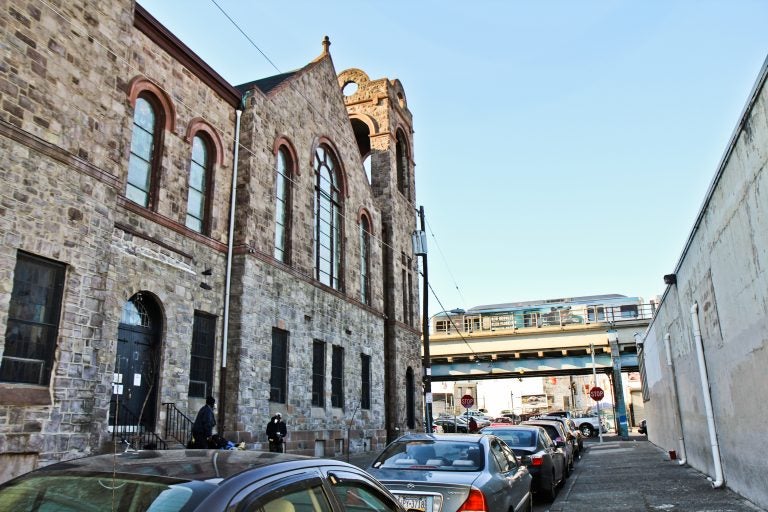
{"type": "Point", "coordinates": [723, 271]}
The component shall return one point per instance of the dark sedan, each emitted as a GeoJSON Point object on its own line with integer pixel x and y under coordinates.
{"type": "Point", "coordinates": [197, 480]}
{"type": "Point", "coordinates": [538, 452]}
{"type": "Point", "coordinates": [556, 431]}
{"type": "Point", "coordinates": [454, 472]}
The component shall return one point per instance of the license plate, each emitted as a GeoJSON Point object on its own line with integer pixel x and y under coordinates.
{"type": "Point", "coordinates": [414, 502]}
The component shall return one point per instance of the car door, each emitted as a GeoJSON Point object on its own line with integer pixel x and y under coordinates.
{"type": "Point", "coordinates": [301, 491]}
{"type": "Point", "coordinates": [555, 455]}
{"type": "Point", "coordinates": [356, 493]}
{"type": "Point", "coordinates": [516, 477]}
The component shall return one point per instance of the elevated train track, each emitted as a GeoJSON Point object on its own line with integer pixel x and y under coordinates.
{"type": "Point", "coordinates": [513, 342]}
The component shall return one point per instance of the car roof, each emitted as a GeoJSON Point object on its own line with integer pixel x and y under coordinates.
{"type": "Point", "coordinates": [559, 419]}
{"type": "Point", "coordinates": [186, 464]}
{"type": "Point", "coordinates": [554, 423]}
{"type": "Point", "coordinates": [416, 436]}
{"type": "Point", "coordinates": [506, 426]}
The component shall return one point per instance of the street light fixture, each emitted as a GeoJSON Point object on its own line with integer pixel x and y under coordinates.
{"type": "Point", "coordinates": [613, 342]}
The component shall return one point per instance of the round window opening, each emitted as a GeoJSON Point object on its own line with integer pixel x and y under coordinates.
{"type": "Point", "coordinates": [349, 88]}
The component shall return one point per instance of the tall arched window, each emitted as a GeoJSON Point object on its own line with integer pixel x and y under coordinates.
{"type": "Point", "coordinates": [365, 260]}
{"type": "Point", "coordinates": [199, 173]}
{"type": "Point", "coordinates": [283, 205]}
{"type": "Point", "coordinates": [145, 149]}
{"type": "Point", "coordinates": [328, 219]}
{"type": "Point", "coordinates": [401, 154]}
{"type": "Point", "coordinates": [410, 399]}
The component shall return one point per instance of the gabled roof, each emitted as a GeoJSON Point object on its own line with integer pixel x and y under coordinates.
{"type": "Point", "coordinates": [265, 85]}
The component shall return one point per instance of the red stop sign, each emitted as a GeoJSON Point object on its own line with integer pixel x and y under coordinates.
{"type": "Point", "coordinates": [467, 401]}
{"type": "Point", "coordinates": [596, 393]}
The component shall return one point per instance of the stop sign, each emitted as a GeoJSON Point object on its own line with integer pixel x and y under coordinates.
{"type": "Point", "coordinates": [467, 401]}
{"type": "Point", "coordinates": [596, 393]}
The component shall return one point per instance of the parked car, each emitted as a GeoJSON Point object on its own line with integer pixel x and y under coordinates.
{"type": "Point", "coordinates": [575, 437]}
{"type": "Point", "coordinates": [538, 452]}
{"type": "Point", "coordinates": [451, 472]}
{"type": "Point", "coordinates": [451, 425]}
{"type": "Point", "coordinates": [643, 427]}
{"type": "Point", "coordinates": [480, 418]}
{"type": "Point", "coordinates": [197, 480]}
{"type": "Point", "coordinates": [589, 424]}
{"type": "Point", "coordinates": [557, 433]}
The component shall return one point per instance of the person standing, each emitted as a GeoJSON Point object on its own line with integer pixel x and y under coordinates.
{"type": "Point", "coordinates": [276, 432]}
{"type": "Point", "coordinates": [472, 425]}
{"type": "Point", "coordinates": [202, 428]}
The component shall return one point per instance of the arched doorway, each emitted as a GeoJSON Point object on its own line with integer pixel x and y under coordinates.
{"type": "Point", "coordinates": [134, 388]}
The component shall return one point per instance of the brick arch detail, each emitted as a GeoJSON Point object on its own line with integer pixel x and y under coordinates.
{"type": "Point", "coordinates": [140, 84]}
{"type": "Point", "coordinates": [284, 142]}
{"type": "Point", "coordinates": [363, 212]}
{"type": "Point", "coordinates": [407, 142]}
{"type": "Point", "coordinates": [199, 124]}
{"type": "Point", "coordinates": [325, 141]}
{"type": "Point", "coordinates": [400, 92]}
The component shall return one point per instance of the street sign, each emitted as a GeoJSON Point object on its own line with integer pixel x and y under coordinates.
{"type": "Point", "coordinates": [596, 393]}
{"type": "Point", "coordinates": [467, 401]}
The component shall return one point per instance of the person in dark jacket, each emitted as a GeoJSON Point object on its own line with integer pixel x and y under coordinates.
{"type": "Point", "coordinates": [202, 428]}
{"type": "Point", "coordinates": [472, 425]}
{"type": "Point", "coordinates": [276, 432]}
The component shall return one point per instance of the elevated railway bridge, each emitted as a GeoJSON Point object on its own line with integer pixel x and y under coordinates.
{"type": "Point", "coordinates": [551, 339]}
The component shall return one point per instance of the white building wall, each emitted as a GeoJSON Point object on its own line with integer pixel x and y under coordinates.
{"type": "Point", "coordinates": [723, 271]}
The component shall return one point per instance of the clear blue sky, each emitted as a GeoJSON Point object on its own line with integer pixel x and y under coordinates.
{"type": "Point", "coordinates": [562, 148]}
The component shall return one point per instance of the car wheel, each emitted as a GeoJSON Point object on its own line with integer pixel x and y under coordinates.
{"type": "Point", "coordinates": [550, 493]}
{"type": "Point", "coordinates": [587, 430]}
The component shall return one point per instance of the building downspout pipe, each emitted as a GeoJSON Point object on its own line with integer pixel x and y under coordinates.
{"type": "Point", "coordinates": [230, 247]}
{"type": "Point", "coordinates": [678, 420]}
{"type": "Point", "coordinates": [718, 481]}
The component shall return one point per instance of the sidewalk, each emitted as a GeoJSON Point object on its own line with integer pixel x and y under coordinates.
{"type": "Point", "coordinates": [636, 475]}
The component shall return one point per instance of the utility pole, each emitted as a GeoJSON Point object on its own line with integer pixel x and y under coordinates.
{"type": "Point", "coordinates": [597, 402]}
{"type": "Point", "coordinates": [613, 341]}
{"type": "Point", "coordinates": [420, 249]}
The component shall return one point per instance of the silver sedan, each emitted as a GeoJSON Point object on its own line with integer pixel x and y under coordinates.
{"type": "Point", "coordinates": [450, 472]}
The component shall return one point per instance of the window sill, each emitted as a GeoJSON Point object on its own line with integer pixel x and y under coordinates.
{"type": "Point", "coordinates": [24, 394]}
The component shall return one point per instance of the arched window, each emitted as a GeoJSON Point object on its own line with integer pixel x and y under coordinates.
{"type": "Point", "coordinates": [328, 219]}
{"type": "Point", "coordinates": [365, 260]}
{"type": "Point", "coordinates": [145, 151]}
{"type": "Point", "coordinates": [403, 174]}
{"type": "Point", "coordinates": [283, 205]}
{"type": "Point", "coordinates": [199, 174]}
{"type": "Point", "coordinates": [410, 399]}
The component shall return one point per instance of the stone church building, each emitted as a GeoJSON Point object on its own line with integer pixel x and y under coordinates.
{"type": "Point", "coordinates": [168, 236]}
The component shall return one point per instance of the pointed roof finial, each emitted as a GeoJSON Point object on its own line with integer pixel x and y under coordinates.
{"type": "Point", "coordinates": [326, 45]}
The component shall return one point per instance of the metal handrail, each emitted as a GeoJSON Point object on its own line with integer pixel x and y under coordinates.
{"type": "Point", "coordinates": [177, 424]}
{"type": "Point", "coordinates": [135, 435]}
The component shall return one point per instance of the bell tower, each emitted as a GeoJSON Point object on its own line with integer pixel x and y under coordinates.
{"type": "Point", "coordinates": [383, 128]}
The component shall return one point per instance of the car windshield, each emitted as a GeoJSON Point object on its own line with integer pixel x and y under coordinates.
{"type": "Point", "coordinates": [432, 455]}
{"type": "Point", "coordinates": [515, 438]}
{"type": "Point", "coordinates": [552, 431]}
{"type": "Point", "coordinates": [84, 492]}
